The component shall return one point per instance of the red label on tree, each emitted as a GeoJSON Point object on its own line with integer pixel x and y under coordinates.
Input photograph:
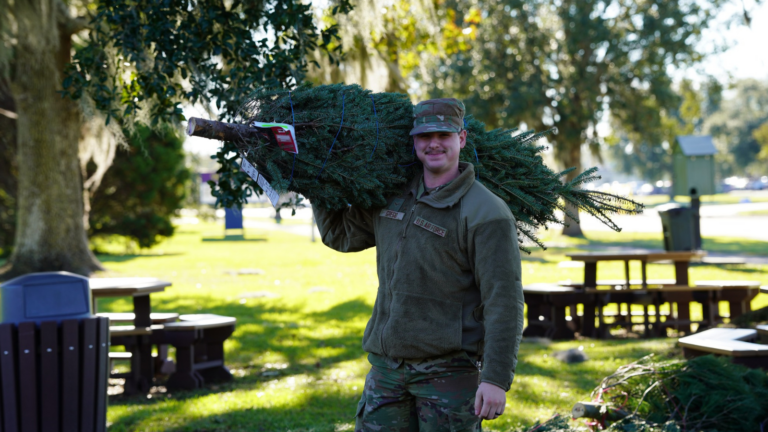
{"type": "Point", "coordinates": [285, 135]}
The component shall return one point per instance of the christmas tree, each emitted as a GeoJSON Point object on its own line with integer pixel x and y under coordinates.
{"type": "Point", "coordinates": [354, 148]}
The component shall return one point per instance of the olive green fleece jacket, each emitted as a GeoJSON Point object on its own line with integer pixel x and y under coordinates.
{"type": "Point", "coordinates": [449, 273]}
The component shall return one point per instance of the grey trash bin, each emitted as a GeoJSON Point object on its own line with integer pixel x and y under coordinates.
{"type": "Point", "coordinates": [678, 227]}
{"type": "Point", "coordinates": [53, 355]}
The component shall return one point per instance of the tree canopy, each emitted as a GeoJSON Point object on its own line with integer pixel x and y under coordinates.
{"type": "Point", "coordinates": [144, 58]}
{"type": "Point", "coordinates": [569, 63]}
{"type": "Point", "coordinates": [135, 62]}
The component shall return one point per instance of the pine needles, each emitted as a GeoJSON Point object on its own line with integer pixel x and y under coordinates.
{"type": "Point", "coordinates": [703, 394]}
{"type": "Point", "coordinates": [355, 149]}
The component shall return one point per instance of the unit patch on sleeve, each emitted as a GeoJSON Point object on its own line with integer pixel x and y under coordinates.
{"type": "Point", "coordinates": [429, 226]}
{"type": "Point", "coordinates": [391, 214]}
{"type": "Point", "coordinates": [396, 204]}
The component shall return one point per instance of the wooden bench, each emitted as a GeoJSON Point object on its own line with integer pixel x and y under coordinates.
{"type": "Point", "coordinates": [727, 342]}
{"type": "Point", "coordinates": [133, 339]}
{"type": "Point", "coordinates": [156, 318]}
{"type": "Point", "coordinates": [546, 310]}
{"type": "Point", "coordinates": [738, 294]}
{"type": "Point", "coordinates": [199, 342]}
{"type": "Point", "coordinates": [762, 332]}
{"type": "Point", "coordinates": [611, 314]}
{"type": "Point", "coordinates": [621, 282]}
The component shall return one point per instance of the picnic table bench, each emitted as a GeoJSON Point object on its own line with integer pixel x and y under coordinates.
{"type": "Point", "coordinates": [727, 342]}
{"type": "Point", "coordinates": [136, 340]}
{"type": "Point", "coordinates": [199, 341]}
{"type": "Point", "coordinates": [546, 309]}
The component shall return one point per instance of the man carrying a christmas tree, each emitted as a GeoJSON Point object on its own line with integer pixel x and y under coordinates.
{"type": "Point", "coordinates": [450, 297]}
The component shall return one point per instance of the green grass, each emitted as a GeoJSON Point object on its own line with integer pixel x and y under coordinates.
{"type": "Point", "coordinates": [297, 356]}
{"type": "Point", "coordinates": [722, 198]}
{"type": "Point", "coordinates": [754, 213]}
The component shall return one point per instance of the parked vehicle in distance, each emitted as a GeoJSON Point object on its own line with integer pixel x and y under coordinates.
{"type": "Point", "coordinates": [733, 183]}
{"type": "Point", "coordinates": [758, 184]}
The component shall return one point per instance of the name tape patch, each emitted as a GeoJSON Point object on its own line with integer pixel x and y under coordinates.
{"type": "Point", "coordinates": [429, 226]}
{"type": "Point", "coordinates": [391, 214]}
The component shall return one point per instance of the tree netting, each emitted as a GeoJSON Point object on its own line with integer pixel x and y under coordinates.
{"type": "Point", "coordinates": [355, 149]}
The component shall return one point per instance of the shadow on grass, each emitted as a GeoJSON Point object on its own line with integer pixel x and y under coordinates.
{"type": "Point", "coordinates": [234, 238]}
{"type": "Point", "coordinates": [118, 258]}
{"type": "Point", "coordinates": [311, 411]}
{"type": "Point", "coordinates": [735, 246]}
{"type": "Point", "coordinates": [305, 344]}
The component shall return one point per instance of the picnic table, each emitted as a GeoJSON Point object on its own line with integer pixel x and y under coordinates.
{"type": "Point", "coordinates": [139, 289]}
{"type": "Point", "coordinates": [680, 259]}
{"type": "Point", "coordinates": [679, 291]}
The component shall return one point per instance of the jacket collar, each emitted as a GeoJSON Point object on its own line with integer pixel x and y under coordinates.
{"type": "Point", "coordinates": [451, 194]}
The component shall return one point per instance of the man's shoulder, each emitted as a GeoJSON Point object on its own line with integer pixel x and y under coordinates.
{"type": "Point", "coordinates": [480, 205]}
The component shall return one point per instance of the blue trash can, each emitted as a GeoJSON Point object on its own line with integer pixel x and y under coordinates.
{"type": "Point", "coordinates": [53, 355]}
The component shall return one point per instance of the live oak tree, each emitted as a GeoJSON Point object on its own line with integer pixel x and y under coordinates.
{"type": "Point", "coordinates": [36, 41]}
{"type": "Point", "coordinates": [566, 63]}
{"type": "Point", "coordinates": [135, 60]}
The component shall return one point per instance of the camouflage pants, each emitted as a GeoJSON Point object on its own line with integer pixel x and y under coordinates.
{"type": "Point", "coordinates": [431, 395]}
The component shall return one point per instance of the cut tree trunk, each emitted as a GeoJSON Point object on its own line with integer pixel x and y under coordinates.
{"type": "Point", "coordinates": [50, 235]}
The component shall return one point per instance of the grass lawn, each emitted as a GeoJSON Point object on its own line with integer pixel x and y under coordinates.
{"type": "Point", "coordinates": [296, 353]}
{"type": "Point", "coordinates": [721, 198]}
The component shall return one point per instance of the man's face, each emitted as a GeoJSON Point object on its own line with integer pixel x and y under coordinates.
{"type": "Point", "coordinates": [439, 151]}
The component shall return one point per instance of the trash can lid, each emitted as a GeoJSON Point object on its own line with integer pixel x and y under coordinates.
{"type": "Point", "coordinates": [48, 296]}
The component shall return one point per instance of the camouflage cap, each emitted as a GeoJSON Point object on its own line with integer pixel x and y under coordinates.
{"type": "Point", "coordinates": [438, 115]}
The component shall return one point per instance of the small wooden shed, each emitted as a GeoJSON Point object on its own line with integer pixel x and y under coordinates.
{"type": "Point", "coordinates": [694, 166]}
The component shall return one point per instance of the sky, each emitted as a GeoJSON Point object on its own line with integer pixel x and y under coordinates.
{"type": "Point", "coordinates": [747, 57]}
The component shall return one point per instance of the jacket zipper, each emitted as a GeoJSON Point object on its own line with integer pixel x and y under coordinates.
{"type": "Point", "coordinates": [392, 277]}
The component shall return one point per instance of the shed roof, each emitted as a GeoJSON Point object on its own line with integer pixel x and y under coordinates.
{"type": "Point", "coordinates": [696, 145]}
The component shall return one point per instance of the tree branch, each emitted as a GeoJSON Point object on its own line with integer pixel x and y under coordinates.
{"type": "Point", "coordinates": [69, 25]}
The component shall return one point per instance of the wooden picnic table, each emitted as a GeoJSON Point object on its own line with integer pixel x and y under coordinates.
{"type": "Point", "coordinates": [139, 288]}
{"type": "Point", "coordinates": [681, 260]}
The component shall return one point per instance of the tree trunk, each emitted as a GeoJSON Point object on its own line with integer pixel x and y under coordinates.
{"type": "Point", "coordinates": [50, 235]}
{"type": "Point", "coordinates": [572, 158]}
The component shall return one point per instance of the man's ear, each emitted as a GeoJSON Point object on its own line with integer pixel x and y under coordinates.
{"type": "Point", "coordinates": [462, 138]}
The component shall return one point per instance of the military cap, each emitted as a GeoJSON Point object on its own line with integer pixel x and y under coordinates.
{"type": "Point", "coordinates": [438, 115]}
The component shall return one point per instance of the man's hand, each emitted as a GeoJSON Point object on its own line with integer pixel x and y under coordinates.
{"type": "Point", "coordinates": [490, 401]}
